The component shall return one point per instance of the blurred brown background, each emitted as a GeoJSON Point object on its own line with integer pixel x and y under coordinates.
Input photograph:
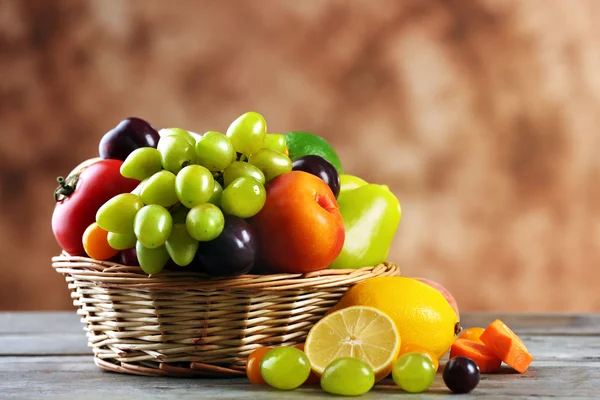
{"type": "Point", "coordinates": [482, 116]}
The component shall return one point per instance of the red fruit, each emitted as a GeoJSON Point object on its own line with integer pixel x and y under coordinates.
{"type": "Point", "coordinates": [300, 228]}
{"type": "Point", "coordinates": [80, 196]}
{"type": "Point", "coordinates": [444, 293]}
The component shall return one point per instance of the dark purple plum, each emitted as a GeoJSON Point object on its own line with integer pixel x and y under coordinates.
{"type": "Point", "coordinates": [321, 168]}
{"type": "Point", "coordinates": [461, 375]}
{"type": "Point", "coordinates": [128, 257]}
{"type": "Point", "coordinates": [232, 253]}
{"type": "Point", "coordinates": [131, 134]}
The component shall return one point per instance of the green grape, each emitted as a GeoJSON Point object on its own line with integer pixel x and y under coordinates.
{"type": "Point", "coordinates": [272, 163]}
{"type": "Point", "coordinates": [348, 376]}
{"type": "Point", "coordinates": [214, 151]}
{"type": "Point", "coordinates": [138, 189]}
{"type": "Point", "coordinates": [152, 226]}
{"type": "Point", "coordinates": [275, 141]}
{"type": "Point", "coordinates": [215, 198]}
{"type": "Point", "coordinates": [117, 214]}
{"type": "Point", "coordinates": [178, 213]}
{"type": "Point", "coordinates": [181, 246]}
{"type": "Point", "coordinates": [285, 368]}
{"type": "Point", "coordinates": [244, 198]}
{"type": "Point", "coordinates": [142, 163]}
{"type": "Point", "coordinates": [160, 189]}
{"type": "Point", "coordinates": [152, 261]}
{"type": "Point", "coordinates": [194, 185]}
{"type": "Point", "coordinates": [413, 372]}
{"type": "Point", "coordinates": [175, 153]}
{"type": "Point", "coordinates": [238, 169]}
{"type": "Point", "coordinates": [247, 133]}
{"type": "Point", "coordinates": [182, 133]}
{"type": "Point", "coordinates": [205, 222]}
{"type": "Point", "coordinates": [121, 241]}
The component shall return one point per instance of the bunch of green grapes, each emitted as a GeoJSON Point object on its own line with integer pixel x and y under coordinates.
{"type": "Point", "coordinates": [188, 185]}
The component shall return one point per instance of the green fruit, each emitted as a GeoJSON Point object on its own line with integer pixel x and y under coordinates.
{"type": "Point", "coordinates": [181, 246]}
{"type": "Point", "coordinates": [349, 182]}
{"type": "Point", "coordinates": [272, 163]}
{"type": "Point", "coordinates": [205, 222]}
{"type": "Point", "coordinates": [413, 372]}
{"type": "Point", "coordinates": [285, 368]}
{"type": "Point", "coordinates": [117, 214]}
{"type": "Point", "coordinates": [152, 261]}
{"type": "Point", "coordinates": [303, 144]}
{"type": "Point", "coordinates": [214, 151]}
{"type": "Point", "coordinates": [142, 163]}
{"type": "Point", "coordinates": [244, 197]}
{"type": "Point", "coordinates": [247, 133]}
{"type": "Point", "coordinates": [194, 185]}
{"type": "Point", "coordinates": [160, 189]}
{"type": "Point", "coordinates": [121, 241]}
{"type": "Point", "coordinates": [152, 226]}
{"type": "Point", "coordinates": [347, 376]}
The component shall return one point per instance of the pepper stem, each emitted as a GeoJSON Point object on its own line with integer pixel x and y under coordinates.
{"type": "Point", "coordinates": [65, 187]}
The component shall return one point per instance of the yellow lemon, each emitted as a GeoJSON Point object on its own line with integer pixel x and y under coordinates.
{"type": "Point", "coordinates": [423, 316]}
{"type": "Point", "coordinates": [359, 332]}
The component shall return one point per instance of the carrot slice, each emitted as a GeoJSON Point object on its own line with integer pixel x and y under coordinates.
{"type": "Point", "coordinates": [485, 359]}
{"type": "Point", "coordinates": [506, 345]}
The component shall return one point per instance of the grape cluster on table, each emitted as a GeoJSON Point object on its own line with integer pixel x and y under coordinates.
{"type": "Point", "coordinates": [194, 191]}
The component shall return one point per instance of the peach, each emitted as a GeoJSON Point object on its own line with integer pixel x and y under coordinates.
{"type": "Point", "coordinates": [444, 293]}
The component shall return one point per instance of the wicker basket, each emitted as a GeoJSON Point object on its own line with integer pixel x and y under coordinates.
{"type": "Point", "coordinates": [187, 324]}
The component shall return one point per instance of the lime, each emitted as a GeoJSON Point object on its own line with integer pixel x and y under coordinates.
{"type": "Point", "coordinates": [303, 144]}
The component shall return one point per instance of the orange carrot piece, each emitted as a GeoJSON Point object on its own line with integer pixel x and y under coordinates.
{"type": "Point", "coordinates": [483, 357]}
{"type": "Point", "coordinates": [507, 346]}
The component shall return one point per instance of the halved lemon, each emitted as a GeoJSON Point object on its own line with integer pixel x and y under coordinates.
{"type": "Point", "coordinates": [360, 332]}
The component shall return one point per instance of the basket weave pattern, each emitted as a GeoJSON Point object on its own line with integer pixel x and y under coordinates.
{"type": "Point", "coordinates": [182, 323]}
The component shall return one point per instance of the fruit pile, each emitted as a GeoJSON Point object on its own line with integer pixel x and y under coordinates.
{"type": "Point", "coordinates": [245, 201]}
{"type": "Point", "coordinates": [390, 326]}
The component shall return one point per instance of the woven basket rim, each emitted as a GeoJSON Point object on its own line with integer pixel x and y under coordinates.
{"type": "Point", "coordinates": [112, 273]}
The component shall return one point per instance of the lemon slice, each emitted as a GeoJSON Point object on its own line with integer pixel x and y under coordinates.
{"type": "Point", "coordinates": [360, 332]}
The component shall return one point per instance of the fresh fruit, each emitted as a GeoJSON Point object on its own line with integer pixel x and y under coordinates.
{"type": "Point", "coordinates": [215, 197]}
{"type": "Point", "coordinates": [122, 241]}
{"type": "Point", "coordinates": [205, 222]}
{"type": "Point", "coordinates": [507, 346]}
{"type": "Point", "coordinates": [117, 214]}
{"type": "Point", "coordinates": [300, 228]}
{"type": "Point", "coordinates": [413, 372]}
{"type": "Point", "coordinates": [152, 226]}
{"type": "Point", "coordinates": [302, 144]}
{"type": "Point", "coordinates": [473, 334]}
{"type": "Point", "coordinates": [461, 375]}
{"type": "Point", "coordinates": [247, 133]}
{"type": "Point", "coordinates": [285, 368]}
{"type": "Point", "coordinates": [411, 348]}
{"type": "Point", "coordinates": [194, 185]}
{"type": "Point", "coordinates": [160, 189]}
{"type": "Point", "coordinates": [79, 197]}
{"type": "Point", "coordinates": [313, 379]}
{"type": "Point", "coordinates": [152, 261]}
{"type": "Point", "coordinates": [321, 168]}
{"type": "Point", "coordinates": [243, 198]}
{"type": "Point", "coordinates": [422, 315]}
{"type": "Point", "coordinates": [142, 163]}
{"type": "Point", "coordinates": [347, 376]}
{"type": "Point", "coordinates": [95, 243]}
{"type": "Point", "coordinates": [349, 182]}
{"type": "Point", "coordinates": [176, 153]}
{"type": "Point", "coordinates": [214, 151]}
{"type": "Point", "coordinates": [445, 292]}
{"type": "Point", "coordinates": [128, 257]}
{"type": "Point", "coordinates": [232, 253]}
{"type": "Point", "coordinates": [237, 169]}
{"type": "Point", "coordinates": [181, 246]}
{"type": "Point", "coordinates": [371, 216]}
{"type": "Point", "coordinates": [182, 133]}
{"type": "Point", "coordinates": [275, 142]}
{"type": "Point", "coordinates": [253, 365]}
{"type": "Point", "coordinates": [272, 163]}
{"type": "Point", "coordinates": [130, 134]}
{"type": "Point", "coordinates": [485, 359]}
{"type": "Point", "coordinates": [364, 333]}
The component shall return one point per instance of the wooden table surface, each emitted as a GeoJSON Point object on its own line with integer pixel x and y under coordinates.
{"type": "Point", "coordinates": [44, 355]}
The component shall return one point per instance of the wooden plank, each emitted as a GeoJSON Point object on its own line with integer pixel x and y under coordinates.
{"type": "Point", "coordinates": [533, 324]}
{"type": "Point", "coordinates": [77, 377]}
{"type": "Point", "coordinates": [44, 344]}
{"type": "Point", "coordinates": [538, 324]}
{"type": "Point", "coordinates": [40, 322]}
